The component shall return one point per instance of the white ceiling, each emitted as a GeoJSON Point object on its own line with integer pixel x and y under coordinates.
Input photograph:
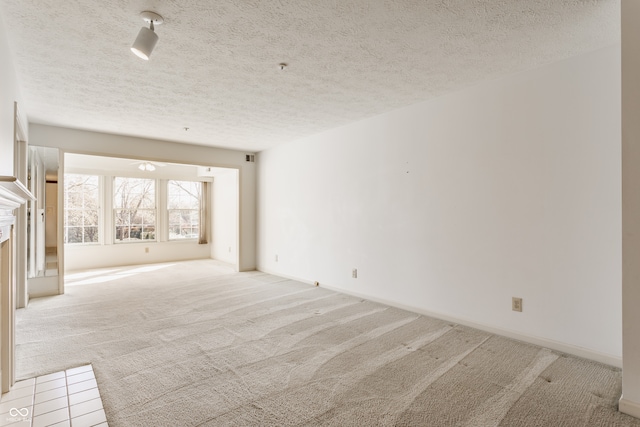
{"type": "Point", "coordinates": [215, 71]}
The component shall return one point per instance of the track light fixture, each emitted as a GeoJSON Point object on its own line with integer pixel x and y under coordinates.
{"type": "Point", "coordinates": [147, 38]}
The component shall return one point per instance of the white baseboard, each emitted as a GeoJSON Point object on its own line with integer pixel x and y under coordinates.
{"type": "Point", "coordinates": [585, 353]}
{"type": "Point", "coordinates": [628, 407]}
{"type": "Point", "coordinates": [43, 286]}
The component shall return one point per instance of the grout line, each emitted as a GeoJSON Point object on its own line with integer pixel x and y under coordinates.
{"type": "Point", "coordinates": [66, 377]}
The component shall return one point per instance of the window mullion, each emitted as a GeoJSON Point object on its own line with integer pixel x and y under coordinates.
{"type": "Point", "coordinates": [162, 215]}
{"type": "Point", "coordinates": [108, 225]}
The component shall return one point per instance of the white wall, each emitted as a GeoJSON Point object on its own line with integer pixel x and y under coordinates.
{"type": "Point", "coordinates": [224, 217]}
{"type": "Point", "coordinates": [80, 257]}
{"type": "Point", "coordinates": [84, 142]}
{"type": "Point", "coordinates": [453, 206]}
{"type": "Point", "coordinates": [9, 93]}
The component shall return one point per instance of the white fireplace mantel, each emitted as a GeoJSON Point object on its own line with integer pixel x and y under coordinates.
{"type": "Point", "coordinates": [13, 193]}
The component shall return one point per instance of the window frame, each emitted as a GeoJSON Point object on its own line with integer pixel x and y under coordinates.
{"type": "Point", "coordinates": [98, 209]}
{"type": "Point", "coordinates": [196, 210]}
{"type": "Point", "coordinates": [115, 208]}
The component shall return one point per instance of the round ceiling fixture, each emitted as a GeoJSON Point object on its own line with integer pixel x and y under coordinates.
{"type": "Point", "coordinates": [147, 38]}
{"type": "Point", "coordinates": [150, 17]}
{"type": "Point", "coordinates": [282, 66]}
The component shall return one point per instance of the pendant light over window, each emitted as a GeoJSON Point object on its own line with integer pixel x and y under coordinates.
{"type": "Point", "coordinates": [147, 38]}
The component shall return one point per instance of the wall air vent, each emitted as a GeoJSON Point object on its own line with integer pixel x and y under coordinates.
{"type": "Point", "coordinates": [251, 158]}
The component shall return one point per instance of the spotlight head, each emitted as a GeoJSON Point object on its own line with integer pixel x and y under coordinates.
{"type": "Point", "coordinates": [147, 38]}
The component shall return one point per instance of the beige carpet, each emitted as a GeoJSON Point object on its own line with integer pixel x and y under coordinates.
{"type": "Point", "coordinates": [194, 344]}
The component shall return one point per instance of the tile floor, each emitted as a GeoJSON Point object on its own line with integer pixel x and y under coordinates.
{"type": "Point", "coordinates": [64, 399]}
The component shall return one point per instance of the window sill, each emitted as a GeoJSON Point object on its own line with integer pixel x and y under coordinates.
{"type": "Point", "coordinates": [84, 244]}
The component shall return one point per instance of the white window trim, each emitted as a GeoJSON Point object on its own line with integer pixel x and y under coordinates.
{"type": "Point", "coordinates": [106, 218]}
{"type": "Point", "coordinates": [166, 211]}
{"type": "Point", "coordinates": [100, 213]}
{"type": "Point", "coordinates": [112, 224]}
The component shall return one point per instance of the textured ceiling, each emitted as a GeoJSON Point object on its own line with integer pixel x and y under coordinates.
{"type": "Point", "coordinates": [215, 71]}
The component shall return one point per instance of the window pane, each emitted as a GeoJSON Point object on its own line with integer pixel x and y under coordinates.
{"type": "Point", "coordinates": [135, 233]}
{"type": "Point", "coordinates": [184, 209]}
{"type": "Point", "coordinates": [132, 225]}
{"type": "Point", "coordinates": [134, 193]}
{"type": "Point", "coordinates": [91, 234]}
{"type": "Point", "coordinates": [121, 217]}
{"type": "Point", "coordinates": [122, 232]}
{"type": "Point", "coordinates": [174, 217]}
{"type": "Point", "coordinates": [91, 196]}
{"type": "Point", "coordinates": [74, 218]}
{"type": "Point", "coordinates": [81, 208]}
{"type": "Point", "coordinates": [184, 194]}
{"type": "Point", "coordinates": [174, 232]}
{"type": "Point", "coordinates": [148, 232]}
{"type": "Point", "coordinates": [183, 224]}
{"type": "Point", "coordinates": [90, 217]}
{"type": "Point", "coordinates": [73, 235]}
{"type": "Point", "coordinates": [148, 217]}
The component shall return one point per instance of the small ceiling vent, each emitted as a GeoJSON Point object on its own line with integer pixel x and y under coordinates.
{"type": "Point", "coordinates": [251, 158]}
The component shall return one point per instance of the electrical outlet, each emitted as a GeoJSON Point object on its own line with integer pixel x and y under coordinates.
{"type": "Point", "coordinates": [276, 257]}
{"type": "Point", "coordinates": [229, 249]}
{"type": "Point", "coordinates": [516, 304]}
{"type": "Point", "coordinates": [354, 273]}
{"type": "Point", "coordinates": [146, 250]}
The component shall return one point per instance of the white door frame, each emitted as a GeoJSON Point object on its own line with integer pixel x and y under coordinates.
{"type": "Point", "coordinates": [20, 168]}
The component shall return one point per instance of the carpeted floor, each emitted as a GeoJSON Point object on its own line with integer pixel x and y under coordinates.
{"type": "Point", "coordinates": [194, 344]}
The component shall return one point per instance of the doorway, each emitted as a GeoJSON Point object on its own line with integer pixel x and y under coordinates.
{"type": "Point", "coordinates": [43, 265]}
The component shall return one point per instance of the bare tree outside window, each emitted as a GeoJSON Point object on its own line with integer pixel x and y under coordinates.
{"type": "Point", "coordinates": [134, 209]}
{"type": "Point", "coordinates": [183, 205]}
{"type": "Point", "coordinates": [81, 208]}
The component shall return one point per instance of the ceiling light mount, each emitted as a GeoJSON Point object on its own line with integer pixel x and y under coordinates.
{"type": "Point", "coordinates": [151, 17]}
{"type": "Point", "coordinates": [282, 66]}
{"type": "Point", "coordinates": [147, 38]}
{"type": "Point", "coordinates": [147, 167]}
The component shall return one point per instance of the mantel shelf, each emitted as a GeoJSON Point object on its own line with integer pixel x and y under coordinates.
{"type": "Point", "coordinates": [13, 193]}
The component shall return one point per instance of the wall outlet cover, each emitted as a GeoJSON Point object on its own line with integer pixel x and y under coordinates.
{"type": "Point", "coordinates": [516, 304]}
